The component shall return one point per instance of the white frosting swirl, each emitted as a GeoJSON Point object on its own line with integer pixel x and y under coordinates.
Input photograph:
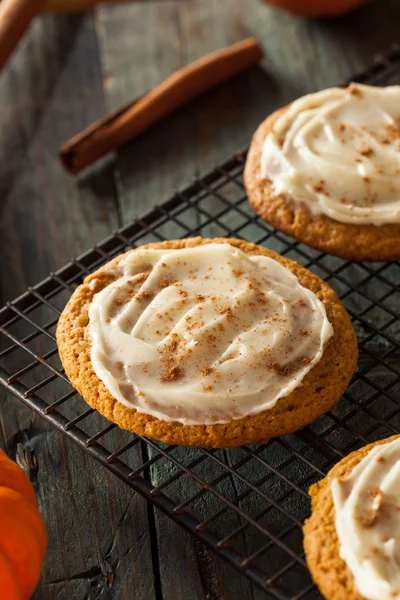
{"type": "Point", "coordinates": [207, 335]}
{"type": "Point", "coordinates": [367, 506]}
{"type": "Point", "coordinates": [338, 152]}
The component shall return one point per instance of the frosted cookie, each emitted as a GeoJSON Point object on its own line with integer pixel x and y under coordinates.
{"type": "Point", "coordinates": [207, 343]}
{"type": "Point", "coordinates": [352, 539]}
{"type": "Point", "coordinates": [326, 170]}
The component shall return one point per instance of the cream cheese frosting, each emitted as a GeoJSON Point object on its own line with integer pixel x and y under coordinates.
{"type": "Point", "coordinates": [367, 507]}
{"type": "Point", "coordinates": [338, 152]}
{"type": "Point", "coordinates": [204, 335]}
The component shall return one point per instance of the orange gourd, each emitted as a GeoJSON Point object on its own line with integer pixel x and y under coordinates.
{"type": "Point", "coordinates": [23, 539]}
{"type": "Point", "coordinates": [318, 8]}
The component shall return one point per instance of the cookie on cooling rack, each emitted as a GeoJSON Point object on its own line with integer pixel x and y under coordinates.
{"type": "Point", "coordinates": [207, 342]}
{"type": "Point", "coordinates": [326, 170]}
{"type": "Point", "coordinates": [352, 539]}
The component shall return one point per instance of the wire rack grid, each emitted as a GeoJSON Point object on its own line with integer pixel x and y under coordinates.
{"type": "Point", "coordinates": [246, 504]}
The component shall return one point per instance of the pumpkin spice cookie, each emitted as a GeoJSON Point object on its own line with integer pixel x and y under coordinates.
{"type": "Point", "coordinates": [326, 170]}
{"type": "Point", "coordinates": [207, 342]}
{"type": "Point", "coordinates": [352, 539]}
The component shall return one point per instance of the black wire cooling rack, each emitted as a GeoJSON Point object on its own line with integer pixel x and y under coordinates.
{"type": "Point", "coordinates": [247, 504]}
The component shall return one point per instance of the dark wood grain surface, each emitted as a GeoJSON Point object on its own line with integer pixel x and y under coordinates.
{"type": "Point", "coordinates": [104, 541]}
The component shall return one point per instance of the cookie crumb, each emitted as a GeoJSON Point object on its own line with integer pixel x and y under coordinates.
{"type": "Point", "coordinates": [366, 151]}
{"type": "Point", "coordinates": [354, 90]}
{"type": "Point", "coordinates": [206, 371]}
{"type": "Point", "coordinates": [281, 370]}
{"type": "Point", "coordinates": [172, 374]}
{"type": "Point", "coordinates": [319, 187]}
{"type": "Point", "coordinates": [207, 388]}
{"type": "Point", "coordinates": [370, 519]}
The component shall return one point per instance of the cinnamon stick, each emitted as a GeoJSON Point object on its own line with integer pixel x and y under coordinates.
{"type": "Point", "coordinates": [15, 17]}
{"type": "Point", "coordinates": [182, 86]}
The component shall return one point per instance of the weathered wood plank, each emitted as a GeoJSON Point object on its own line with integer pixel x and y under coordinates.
{"type": "Point", "coordinates": [140, 47]}
{"type": "Point", "coordinates": [98, 535]}
{"type": "Point", "coordinates": [47, 94]}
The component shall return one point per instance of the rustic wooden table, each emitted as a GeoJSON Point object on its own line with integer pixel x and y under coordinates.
{"type": "Point", "coordinates": [104, 542]}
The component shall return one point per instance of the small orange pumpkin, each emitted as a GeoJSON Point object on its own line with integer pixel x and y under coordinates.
{"type": "Point", "coordinates": [23, 539]}
{"type": "Point", "coordinates": [318, 8]}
